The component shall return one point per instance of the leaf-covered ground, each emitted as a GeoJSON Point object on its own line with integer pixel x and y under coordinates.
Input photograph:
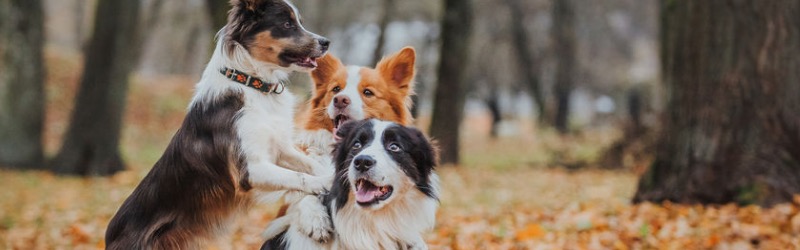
{"type": "Point", "coordinates": [510, 193]}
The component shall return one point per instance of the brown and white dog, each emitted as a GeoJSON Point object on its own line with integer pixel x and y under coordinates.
{"type": "Point", "coordinates": [345, 93]}
{"type": "Point", "coordinates": [236, 139]}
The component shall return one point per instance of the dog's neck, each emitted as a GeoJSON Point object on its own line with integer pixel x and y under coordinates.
{"type": "Point", "coordinates": [213, 84]}
{"type": "Point", "coordinates": [239, 59]}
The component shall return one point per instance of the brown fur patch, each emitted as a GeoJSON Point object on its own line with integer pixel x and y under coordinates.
{"type": "Point", "coordinates": [265, 48]}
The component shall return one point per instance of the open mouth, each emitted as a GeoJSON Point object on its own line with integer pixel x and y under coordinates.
{"type": "Point", "coordinates": [368, 193]}
{"type": "Point", "coordinates": [338, 120]}
{"type": "Point", "coordinates": [305, 62]}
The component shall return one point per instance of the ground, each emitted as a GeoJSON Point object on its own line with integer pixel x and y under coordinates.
{"type": "Point", "coordinates": [510, 193]}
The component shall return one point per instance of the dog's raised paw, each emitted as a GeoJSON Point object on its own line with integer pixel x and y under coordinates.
{"type": "Point", "coordinates": [313, 220]}
{"type": "Point", "coordinates": [317, 227]}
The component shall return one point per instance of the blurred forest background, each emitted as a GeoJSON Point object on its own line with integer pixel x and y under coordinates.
{"type": "Point", "coordinates": [564, 124]}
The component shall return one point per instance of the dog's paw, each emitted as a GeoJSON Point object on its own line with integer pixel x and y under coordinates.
{"type": "Point", "coordinates": [314, 222]}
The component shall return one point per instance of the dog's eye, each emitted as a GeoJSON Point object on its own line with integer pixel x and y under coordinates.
{"type": "Point", "coordinates": [336, 89]}
{"type": "Point", "coordinates": [357, 145]}
{"type": "Point", "coordinates": [288, 25]}
{"type": "Point", "coordinates": [368, 92]}
{"type": "Point", "coordinates": [394, 148]}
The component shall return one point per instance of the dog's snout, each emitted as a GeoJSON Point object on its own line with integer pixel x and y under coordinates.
{"type": "Point", "coordinates": [341, 101]}
{"type": "Point", "coordinates": [324, 43]}
{"type": "Point", "coordinates": [363, 162]}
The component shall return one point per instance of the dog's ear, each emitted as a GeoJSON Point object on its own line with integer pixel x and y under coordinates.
{"type": "Point", "coordinates": [426, 151]}
{"type": "Point", "coordinates": [425, 155]}
{"type": "Point", "coordinates": [341, 149]}
{"type": "Point", "coordinates": [327, 66]}
{"type": "Point", "coordinates": [250, 5]}
{"type": "Point", "coordinates": [345, 130]}
{"type": "Point", "coordinates": [398, 69]}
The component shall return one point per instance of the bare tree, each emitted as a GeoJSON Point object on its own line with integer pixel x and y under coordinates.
{"type": "Point", "coordinates": [91, 146]}
{"type": "Point", "coordinates": [448, 106]}
{"type": "Point", "coordinates": [564, 46]}
{"type": "Point", "coordinates": [525, 59]}
{"type": "Point", "coordinates": [21, 83]}
{"type": "Point", "coordinates": [388, 8]}
{"type": "Point", "coordinates": [732, 125]}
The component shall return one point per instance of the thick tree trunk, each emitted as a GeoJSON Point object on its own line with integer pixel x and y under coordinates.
{"type": "Point", "coordinates": [448, 103]}
{"type": "Point", "coordinates": [91, 146]}
{"type": "Point", "coordinates": [525, 60]}
{"type": "Point", "coordinates": [732, 127]}
{"type": "Point", "coordinates": [564, 44]}
{"type": "Point", "coordinates": [380, 42]}
{"type": "Point", "coordinates": [21, 83]}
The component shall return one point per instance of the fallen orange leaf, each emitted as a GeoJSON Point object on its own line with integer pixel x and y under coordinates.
{"type": "Point", "coordinates": [532, 231]}
{"type": "Point", "coordinates": [712, 241]}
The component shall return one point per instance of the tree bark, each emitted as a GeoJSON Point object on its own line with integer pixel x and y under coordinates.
{"type": "Point", "coordinates": [564, 45]}
{"type": "Point", "coordinates": [525, 60]}
{"type": "Point", "coordinates": [448, 106]}
{"type": "Point", "coordinates": [91, 146]}
{"type": "Point", "coordinates": [380, 42]}
{"type": "Point", "coordinates": [21, 83]}
{"type": "Point", "coordinates": [732, 126]}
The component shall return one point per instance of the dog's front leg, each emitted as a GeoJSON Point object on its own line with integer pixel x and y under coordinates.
{"type": "Point", "coordinates": [312, 219]}
{"type": "Point", "coordinates": [299, 160]}
{"type": "Point", "coordinates": [271, 177]}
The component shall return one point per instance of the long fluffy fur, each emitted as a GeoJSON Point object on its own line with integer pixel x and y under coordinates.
{"type": "Point", "coordinates": [234, 141]}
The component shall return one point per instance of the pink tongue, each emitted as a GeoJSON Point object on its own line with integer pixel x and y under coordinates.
{"type": "Point", "coordinates": [365, 195]}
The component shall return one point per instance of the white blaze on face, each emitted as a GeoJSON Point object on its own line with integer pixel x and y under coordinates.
{"type": "Point", "coordinates": [385, 172]}
{"type": "Point", "coordinates": [355, 111]}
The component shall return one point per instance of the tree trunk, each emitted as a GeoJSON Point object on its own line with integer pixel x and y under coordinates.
{"type": "Point", "coordinates": [388, 7]}
{"type": "Point", "coordinates": [564, 45]}
{"type": "Point", "coordinates": [91, 146]}
{"type": "Point", "coordinates": [218, 11]}
{"type": "Point", "coordinates": [448, 103]}
{"type": "Point", "coordinates": [21, 83]}
{"type": "Point", "coordinates": [528, 66]}
{"type": "Point", "coordinates": [732, 126]}
{"type": "Point", "coordinates": [493, 104]}
{"type": "Point", "coordinates": [79, 12]}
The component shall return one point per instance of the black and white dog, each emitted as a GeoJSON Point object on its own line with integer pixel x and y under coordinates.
{"type": "Point", "coordinates": [384, 195]}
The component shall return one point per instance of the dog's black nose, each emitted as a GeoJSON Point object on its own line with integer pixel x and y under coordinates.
{"type": "Point", "coordinates": [324, 43]}
{"type": "Point", "coordinates": [363, 162]}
